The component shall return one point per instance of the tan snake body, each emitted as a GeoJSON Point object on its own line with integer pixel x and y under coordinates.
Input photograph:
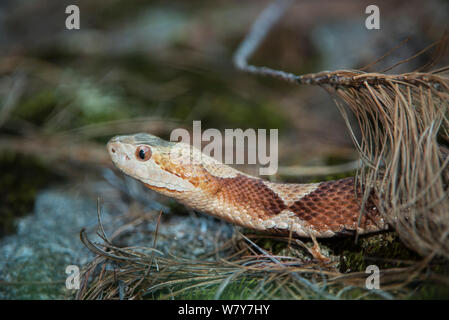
{"type": "Point", "coordinates": [182, 172]}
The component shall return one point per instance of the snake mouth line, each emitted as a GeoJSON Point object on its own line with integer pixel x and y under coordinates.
{"type": "Point", "coordinates": [166, 188]}
{"type": "Point", "coordinates": [157, 184]}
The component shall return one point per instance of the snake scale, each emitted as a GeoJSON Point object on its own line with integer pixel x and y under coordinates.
{"type": "Point", "coordinates": [180, 171]}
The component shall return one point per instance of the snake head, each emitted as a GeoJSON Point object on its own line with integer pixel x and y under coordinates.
{"type": "Point", "coordinates": [151, 160]}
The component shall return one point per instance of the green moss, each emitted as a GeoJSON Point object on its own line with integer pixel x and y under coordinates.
{"type": "Point", "coordinates": [22, 176]}
{"type": "Point", "coordinates": [381, 249]}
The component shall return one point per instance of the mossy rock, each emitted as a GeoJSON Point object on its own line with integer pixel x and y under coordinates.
{"type": "Point", "coordinates": [381, 249]}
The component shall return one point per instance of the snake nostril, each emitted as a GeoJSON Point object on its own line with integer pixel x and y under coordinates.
{"type": "Point", "coordinates": [112, 150]}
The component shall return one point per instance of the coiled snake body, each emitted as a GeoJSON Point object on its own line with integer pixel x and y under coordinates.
{"type": "Point", "coordinates": [182, 172]}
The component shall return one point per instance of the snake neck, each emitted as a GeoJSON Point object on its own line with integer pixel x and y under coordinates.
{"type": "Point", "coordinates": [324, 209]}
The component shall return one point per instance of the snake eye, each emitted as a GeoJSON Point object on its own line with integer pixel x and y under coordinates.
{"type": "Point", "coordinates": [143, 153]}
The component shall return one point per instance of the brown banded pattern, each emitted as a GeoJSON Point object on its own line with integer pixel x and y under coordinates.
{"type": "Point", "coordinates": [252, 194]}
{"type": "Point", "coordinates": [333, 205]}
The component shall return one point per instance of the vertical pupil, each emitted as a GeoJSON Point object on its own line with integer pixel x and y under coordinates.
{"type": "Point", "coordinates": [142, 154]}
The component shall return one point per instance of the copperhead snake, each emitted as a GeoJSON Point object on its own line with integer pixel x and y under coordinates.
{"type": "Point", "coordinates": [322, 210]}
